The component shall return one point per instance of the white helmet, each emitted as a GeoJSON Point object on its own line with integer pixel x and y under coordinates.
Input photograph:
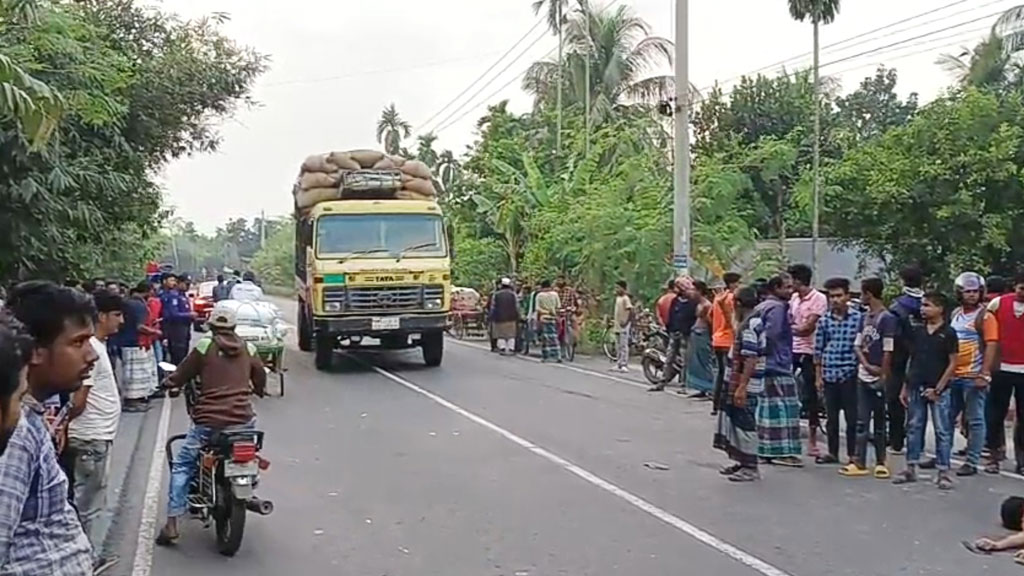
{"type": "Point", "coordinates": [970, 281]}
{"type": "Point", "coordinates": [223, 317]}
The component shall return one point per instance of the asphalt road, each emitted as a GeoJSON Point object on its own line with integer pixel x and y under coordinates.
{"type": "Point", "coordinates": [505, 467]}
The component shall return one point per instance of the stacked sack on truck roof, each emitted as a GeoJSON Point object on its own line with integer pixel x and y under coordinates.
{"type": "Point", "coordinates": [321, 175]}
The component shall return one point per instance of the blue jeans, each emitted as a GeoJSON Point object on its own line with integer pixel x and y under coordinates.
{"type": "Point", "coordinates": [970, 400]}
{"type": "Point", "coordinates": [917, 421]}
{"type": "Point", "coordinates": [185, 464]}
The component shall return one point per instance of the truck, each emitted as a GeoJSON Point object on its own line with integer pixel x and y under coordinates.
{"type": "Point", "coordinates": [372, 264]}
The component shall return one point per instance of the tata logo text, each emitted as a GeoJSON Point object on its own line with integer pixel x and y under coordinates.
{"type": "Point", "coordinates": [384, 278]}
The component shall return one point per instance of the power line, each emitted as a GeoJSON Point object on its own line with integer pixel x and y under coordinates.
{"type": "Point", "coordinates": [488, 98]}
{"type": "Point", "coordinates": [357, 74]}
{"type": "Point", "coordinates": [481, 77]}
{"type": "Point", "coordinates": [483, 87]}
{"type": "Point", "coordinates": [827, 47]}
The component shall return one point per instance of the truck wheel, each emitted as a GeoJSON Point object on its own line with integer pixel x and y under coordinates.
{"type": "Point", "coordinates": [305, 330]}
{"type": "Point", "coordinates": [324, 353]}
{"type": "Point", "coordinates": [433, 348]}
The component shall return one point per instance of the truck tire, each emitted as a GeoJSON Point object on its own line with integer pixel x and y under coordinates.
{"type": "Point", "coordinates": [433, 348]}
{"type": "Point", "coordinates": [324, 352]}
{"type": "Point", "coordinates": [305, 330]}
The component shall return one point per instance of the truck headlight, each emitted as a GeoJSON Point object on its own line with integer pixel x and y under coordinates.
{"type": "Point", "coordinates": [332, 306]}
{"type": "Point", "coordinates": [432, 304]}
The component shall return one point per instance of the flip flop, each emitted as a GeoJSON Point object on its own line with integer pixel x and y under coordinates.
{"type": "Point", "coordinates": [163, 539]}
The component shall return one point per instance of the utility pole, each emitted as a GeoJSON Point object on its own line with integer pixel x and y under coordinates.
{"type": "Point", "coordinates": [815, 229]}
{"type": "Point", "coordinates": [263, 229]}
{"type": "Point", "coordinates": [558, 105]}
{"type": "Point", "coordinates": [681, 204]}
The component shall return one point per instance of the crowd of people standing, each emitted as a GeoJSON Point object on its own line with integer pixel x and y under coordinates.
{"type": "Point", "coordinates": [887, 370]}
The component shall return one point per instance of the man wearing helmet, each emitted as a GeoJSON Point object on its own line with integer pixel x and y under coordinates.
{"type": "Point", "coordinates": [976, 332]}
{"type": "Point", "coordinates": [224, 365]}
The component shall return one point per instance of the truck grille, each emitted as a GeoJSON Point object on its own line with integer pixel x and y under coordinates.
{"type": "Point", "coordinates": [381, 298]}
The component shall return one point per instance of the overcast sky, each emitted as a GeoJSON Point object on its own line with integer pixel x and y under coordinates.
{"type": "Point", "coordinates": [336, 64]}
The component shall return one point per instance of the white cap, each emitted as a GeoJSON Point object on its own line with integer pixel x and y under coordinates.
{"type": "Point", "coordinates": [506, 282]}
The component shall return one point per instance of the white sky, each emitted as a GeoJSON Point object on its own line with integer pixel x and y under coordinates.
{"type": "Point", "coordinates": [336, 64]}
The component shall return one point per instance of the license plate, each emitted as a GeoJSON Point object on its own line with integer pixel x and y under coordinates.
{"type": "Point", "coordinates": [235, 469]}
{"type": "Point", "coordinates": [392, 323]}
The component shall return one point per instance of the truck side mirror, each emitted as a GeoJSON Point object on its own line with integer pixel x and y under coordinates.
{"type": "Point", "coordinates": [449, 232]}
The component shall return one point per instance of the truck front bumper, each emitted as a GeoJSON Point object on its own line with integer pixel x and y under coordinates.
{"type": "Point", "coordinates": [365, 325]}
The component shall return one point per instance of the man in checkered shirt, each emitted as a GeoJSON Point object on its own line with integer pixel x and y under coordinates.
{"type": "Point", "coordinates": [835, 364]}
{"type": "Point", "coordinates": [39, 529]}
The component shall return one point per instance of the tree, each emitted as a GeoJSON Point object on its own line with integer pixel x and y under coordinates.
{"type": "Point", "coordinates": [990, 62]}
{"type": "Point", "coordinates": [425, 149]}
{"type": "Point", "coordinates": [872, 109]}
{"type": "Point", "coordinates": [142, 88]}
{"type": "Point", "coordinates": [621, 52]}
{"type": "Point", "coordinates": [274, 263]}
{"type": "Point", "coordinates": [31, 103]}
{"type": "Point", "coordinates": [819, 12]}
{"type": "Point", "coordinates": [392, 129]}
{"type": "Point", "coordinates": [943, 190]}
{"type": "Point", "coordinates": [556, 22]}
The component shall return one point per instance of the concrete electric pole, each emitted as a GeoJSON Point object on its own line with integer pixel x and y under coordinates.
{"type": "Point", "coordinates": [681, 204]}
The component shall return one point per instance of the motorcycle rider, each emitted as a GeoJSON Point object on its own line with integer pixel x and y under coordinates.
{"type": "Point", "coordinates": [225, 365]}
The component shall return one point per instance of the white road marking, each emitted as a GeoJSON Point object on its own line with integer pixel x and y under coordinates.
{"type": "Point", "coordinates": [667, 517]}
{"type": "Point", "coordinates": [143, 564]}
{"type": "Point", "coordinates": [956, 461]}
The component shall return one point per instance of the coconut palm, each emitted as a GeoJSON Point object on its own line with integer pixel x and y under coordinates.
{"type": "Point", "coordinates": [32, 103]}
{"type": "Point", "coordinates": [819, 12]}
{"type": "Point", "coordinates": [447, 168]}
{"type": "Point", "coordinates": [556, 10]}
{"type": "Point", "coordinates": [989, 63]}
{"type": "Point", "coordinates": [621, 53]}
{"type": "Point", "coordinates": [392, 129]}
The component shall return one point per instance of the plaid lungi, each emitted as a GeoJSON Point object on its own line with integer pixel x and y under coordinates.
{"type": "Point", "coordinates": [549, 339]}
{"type": "Point", "coordinates": [140, 378]}
{"type": "Point", "coordinates": [778, 418]}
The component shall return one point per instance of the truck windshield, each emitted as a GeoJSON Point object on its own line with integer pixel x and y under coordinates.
{"type": "Point", "coordinates": [380, 235]}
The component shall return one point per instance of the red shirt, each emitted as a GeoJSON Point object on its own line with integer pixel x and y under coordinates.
{"type": "Point", "coordinates": [155, 308]}
{"type": "Point", "coordinates": [663, 307]}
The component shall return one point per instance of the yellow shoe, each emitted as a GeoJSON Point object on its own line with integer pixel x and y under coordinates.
{"type": "Point", "coordinates": [881, 472]}
{"type": "Point", "coordinates": [851, 470]}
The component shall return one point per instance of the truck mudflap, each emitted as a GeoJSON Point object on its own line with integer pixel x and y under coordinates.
{"type": "Point", "coordinates": [381, 325]}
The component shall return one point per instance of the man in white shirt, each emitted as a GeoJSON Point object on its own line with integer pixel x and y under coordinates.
{"type": "Point", "coordinates": [95, 414]}
{"type": "Point", "coordinates": [247, 290]}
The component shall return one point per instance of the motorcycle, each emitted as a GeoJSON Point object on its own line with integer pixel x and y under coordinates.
{"type": "Point", "coordinates": [655, 356]}
{"type": "Point", "coordinates": [227, 475]}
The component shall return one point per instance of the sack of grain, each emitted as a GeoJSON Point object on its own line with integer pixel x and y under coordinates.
{"type": "Point", "coordinates": [342, 161]}
{"type": "Point", "coordinates": [384, 163]}
{"type": "Point", "coordinates": [412, 195]}
{"type": "Point", "coordinates": [420, 186]}
{"type": "Point", "coordinates": [319, 180]}
{"type": "Point", "coordinates": [398, 161]}
{"type": "Point", "coordinates": [417, 169]}
{"type": "Point", "coordinates": [318, 163]}
{"type": "Point", "coordinates": [366, 158]}
{"type": "Point", "coordinates": [313, 196]}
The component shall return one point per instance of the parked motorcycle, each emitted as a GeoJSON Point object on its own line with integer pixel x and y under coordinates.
{"type": "Point", "coordinates": [228, 472]}
{"type": "Point", "coordinates": [655, 356]}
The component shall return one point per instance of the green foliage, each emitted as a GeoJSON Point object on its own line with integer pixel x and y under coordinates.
{"type": "Point", "coordinates": [140, 88]}
{"type": "Point", "coordinates": [274, 264]}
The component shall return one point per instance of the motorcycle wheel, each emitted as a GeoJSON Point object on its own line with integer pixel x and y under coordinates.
{"type": "Point", "coordinates": [652, 370]}
{"type": "Point", "coordinates": [230, 527]}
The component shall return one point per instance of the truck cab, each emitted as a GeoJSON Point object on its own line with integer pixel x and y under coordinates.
{"type": "Point", "coordinates": [372, 268]}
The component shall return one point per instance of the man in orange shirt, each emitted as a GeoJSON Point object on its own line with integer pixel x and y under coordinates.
{"type": "Point", "coordinates": [722, 330]}
{"type": "Point", "coordinates": [664, 303]}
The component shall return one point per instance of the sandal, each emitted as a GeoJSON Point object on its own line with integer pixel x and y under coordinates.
{"type": "Point", "coordinates": [790, 462]}
{"type": "Point", "coordinates": [992, 468]}
{"type": "Point", "coordinates": [944, 482]}
{"type": "Point", "coordinates": [165, 539]}
{"type": "Point", "coordinates": [826, 459]}
{"type": "Point", "coordinates": [744, 475]}
{"type": "Point", "coordinates": [882, 472]}
{"type": "Point", "coordinates": [853, 470]}
{"type": "Point", "coordinates": [730, 469]}
{"type": "Point", "coordinates": [905, 477]}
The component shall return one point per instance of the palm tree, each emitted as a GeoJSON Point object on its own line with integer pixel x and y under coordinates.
{"type": "Point", "coordinates": [617, 45]}
{"type": "Point", "coordinates": [819, 12]}
{"type": "Point", "coordinates": [392, 129]}
{"type": "Point", "coordinates": [36, 108]}
{"type": "Point", "coordinates": [556, 20]}
{"type": "Point", "coordinates": [989, 62]}
{"type": "Point", "coordinates": [447, 168]}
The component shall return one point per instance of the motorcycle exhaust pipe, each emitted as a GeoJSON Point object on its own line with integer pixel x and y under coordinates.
{"type": "Point", "coordinates": [261, 507]}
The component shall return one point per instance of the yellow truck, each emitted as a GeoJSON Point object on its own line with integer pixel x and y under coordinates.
{"type": "Point", "coordinates": [371, 263]}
